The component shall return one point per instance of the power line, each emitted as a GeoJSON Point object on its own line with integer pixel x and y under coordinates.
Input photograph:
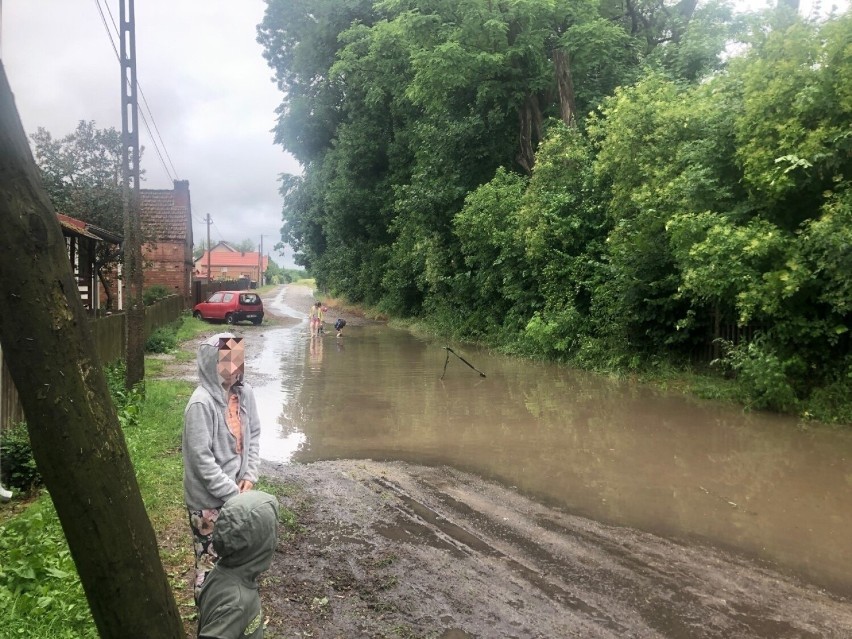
{"type": "Point", "coordinates": [150, 112]}
{"type": "Point", "coordinates": [144, 99]}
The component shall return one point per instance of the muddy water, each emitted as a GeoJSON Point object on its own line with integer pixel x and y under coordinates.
{"type": "Point", "coordinates": [762, 485]}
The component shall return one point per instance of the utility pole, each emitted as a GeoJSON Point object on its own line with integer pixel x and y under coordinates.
{"type": "Point", "coordinates": [135, 327]}
{"type": "Point", "coordinates": [209, 222]}
{"type": "Point", "coordinates": [260, 264]}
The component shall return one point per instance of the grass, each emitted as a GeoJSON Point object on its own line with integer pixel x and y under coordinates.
{"type": "Point", "coordinates": [342, 305]}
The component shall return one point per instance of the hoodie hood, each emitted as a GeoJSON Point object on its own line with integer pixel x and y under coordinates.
{"type": "Point", "coordinates": [245, 535]}
{"type": "Point", "coordinates": [208, 362]}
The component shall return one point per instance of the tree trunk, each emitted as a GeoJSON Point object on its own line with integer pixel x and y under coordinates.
{"type": "Point", "coordinates": [529, 122]}
{"type": "Point", "coordinates": [565, 86]}
{"type": "Point", "coordinates": [76, 439]}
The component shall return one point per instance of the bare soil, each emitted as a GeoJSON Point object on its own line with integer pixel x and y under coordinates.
{"type": "Point", "coordinates": [402, 551]}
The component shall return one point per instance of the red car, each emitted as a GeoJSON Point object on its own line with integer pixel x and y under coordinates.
{"type": "Point", "coordinates": [231, 307]}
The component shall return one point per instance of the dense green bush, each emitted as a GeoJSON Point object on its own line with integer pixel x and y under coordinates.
{"type": "Point", "coordinates": [762, 375]}
{"type": "Point", "coordinates": [18, 466]}
{"type": "Point", "coordinates": [162, 340]}
{"type": "Point", "coordinates": [16, 459]}
{"type": "Point", "coordinates": [127, 401]}
{"type": "Point", "coordinates": [40, 592]}
{"type": "Point", "coordinates": [155, 293]}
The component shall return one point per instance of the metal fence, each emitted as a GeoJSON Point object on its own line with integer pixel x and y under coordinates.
{"type": "Point", "coordinates": [108, 335]}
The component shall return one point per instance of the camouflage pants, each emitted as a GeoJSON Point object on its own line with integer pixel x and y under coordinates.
{"type": "Point", "coordinates": [201, 522]}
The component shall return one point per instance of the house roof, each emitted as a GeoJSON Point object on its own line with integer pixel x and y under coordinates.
{"type": "Point", "coordinates": [163, 219]}
{"type": "Point", "coordinates": [228, 258]}
{"type": "Point", "coordinates": [224, 246]}
{"type": "Point", "coordinates": [84, 229]}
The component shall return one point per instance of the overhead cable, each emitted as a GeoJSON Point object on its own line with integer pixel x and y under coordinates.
{"type": "Point", "coordinates": [173, 173]}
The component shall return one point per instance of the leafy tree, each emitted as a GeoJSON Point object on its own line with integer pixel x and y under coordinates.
{"type": "Point", "coordinates": [200, 248]}
{"type": "Point", "coordinates": [300, 42]}
{"type": "Point", "coordinates": [596, 181]}
{"type": "Point", "coordinates": [562, 230]}
{"type": "Point", "coordinates": [663, 149]}
{"type": "Point", "coordinates": [793, 131]}
{"type": "Point", "coordinates": [246, 246]}
{"type": "Point", "coordinates": [485, 292]}
{"type": "Point", "coordinates": [82, 176]}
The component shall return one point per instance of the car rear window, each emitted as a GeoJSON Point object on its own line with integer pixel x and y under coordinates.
{"type": "Point", "coordinates": [249, 298]}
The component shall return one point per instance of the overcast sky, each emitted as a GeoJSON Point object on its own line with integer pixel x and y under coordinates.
{"type": "Point", "coordinates": [205, 80]}
{"type": "Point", "coordinates": [206, 83]}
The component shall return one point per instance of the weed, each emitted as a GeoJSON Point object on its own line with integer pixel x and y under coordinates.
{"type": "Point", "coordinates": [16, 459]}
{"type": "Point", "coordinates": [40, 592]}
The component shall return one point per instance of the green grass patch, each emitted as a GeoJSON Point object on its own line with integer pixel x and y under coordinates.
{"type": "Point", "coordinates": [190, 328]}
{"type": "Point", "coordinates": [40, 591]}
{"type": "Point", "coordinates": [154, 447]}
{"type": "Point", "coordinates": [154, 367]}
{"type": "Point", "coordinates": [286, 517]}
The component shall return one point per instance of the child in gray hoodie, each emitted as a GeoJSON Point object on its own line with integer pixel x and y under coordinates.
{"type": "Point", "coordinates": [221, 442]}
{"type": "Point", "coordinates": [244, 538]}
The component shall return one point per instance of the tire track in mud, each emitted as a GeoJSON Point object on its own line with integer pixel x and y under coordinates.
{"type": "Point", "coordinates": [478, 545]}
{"type": "Point", "coordinates": [441, 553]}
{"type": "Point", "coordinates": [677, 591]}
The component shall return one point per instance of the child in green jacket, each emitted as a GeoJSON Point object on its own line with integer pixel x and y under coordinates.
{"type": "Point", "coordinates": [245, 537]}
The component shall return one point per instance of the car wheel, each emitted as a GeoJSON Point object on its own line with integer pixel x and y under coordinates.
{"type": "Point", "coordinates": [197, 315]}
{"type": "Point", "coordinates": [229, 319]}
{"type": "Point", "coordinates": [256, 322]}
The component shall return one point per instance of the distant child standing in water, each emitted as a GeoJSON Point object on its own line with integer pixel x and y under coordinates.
{"type": "Point", "coordinates": [316, 319]}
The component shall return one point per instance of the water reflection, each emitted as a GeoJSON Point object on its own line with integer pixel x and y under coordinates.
{"type": "Point", "coordinates": [617, 453]}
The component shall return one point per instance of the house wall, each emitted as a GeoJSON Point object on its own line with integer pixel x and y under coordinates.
{"type": "Point", "coordinates": [229, 272]}
{"type": "Point", "coordinates": [167, 258]}
{"type": "Point", "coordinates": [165, 263]}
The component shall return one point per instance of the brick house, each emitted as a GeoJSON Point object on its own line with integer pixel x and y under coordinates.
{"type": "Point", "coordinates": [229, 263]}
{"type": "Point", "coordinates": [166, 217]}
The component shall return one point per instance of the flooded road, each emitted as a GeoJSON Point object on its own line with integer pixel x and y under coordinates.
{"type": "Point", "coordinates": [758, 484]}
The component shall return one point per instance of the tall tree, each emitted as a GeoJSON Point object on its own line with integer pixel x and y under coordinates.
{"type": "Point", "coordinates": [82, 176]}
{"type": "Point", "coordinates": [246, 246]}
{"type": "Point", "coordinates": [75, 434]}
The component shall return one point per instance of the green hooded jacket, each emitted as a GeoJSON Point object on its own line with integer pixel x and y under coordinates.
{"type": "Point", "coordinates": [244, 537]}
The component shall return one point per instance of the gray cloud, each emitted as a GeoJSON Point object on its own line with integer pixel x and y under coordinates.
{"type": "Point", "coordinates": [205, 80]}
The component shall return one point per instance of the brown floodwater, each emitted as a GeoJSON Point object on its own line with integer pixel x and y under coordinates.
{"type": "Point", "coordinates": [762, 485]}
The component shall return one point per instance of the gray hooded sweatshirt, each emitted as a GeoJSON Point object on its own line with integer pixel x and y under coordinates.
{"type": "Point", "coordinates": [244, 537]}
{"type": "Point", "coordinates": [211, 465]}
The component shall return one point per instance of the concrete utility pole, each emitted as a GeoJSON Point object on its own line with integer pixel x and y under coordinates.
{"type": "Point", "coordinates": [135, 335]}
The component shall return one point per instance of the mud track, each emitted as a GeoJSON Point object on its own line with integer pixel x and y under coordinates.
{"type": "Point", "coordinates": [395, 550]}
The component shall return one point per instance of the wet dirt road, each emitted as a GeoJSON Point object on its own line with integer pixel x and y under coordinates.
{"type": "Point", "coordinates": [403, 550]}
{"type": "Point", "coordinates": [395, 550]}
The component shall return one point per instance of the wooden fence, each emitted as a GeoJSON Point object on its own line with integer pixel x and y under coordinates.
{"type": "Point", "coordinates": [108, 334]}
